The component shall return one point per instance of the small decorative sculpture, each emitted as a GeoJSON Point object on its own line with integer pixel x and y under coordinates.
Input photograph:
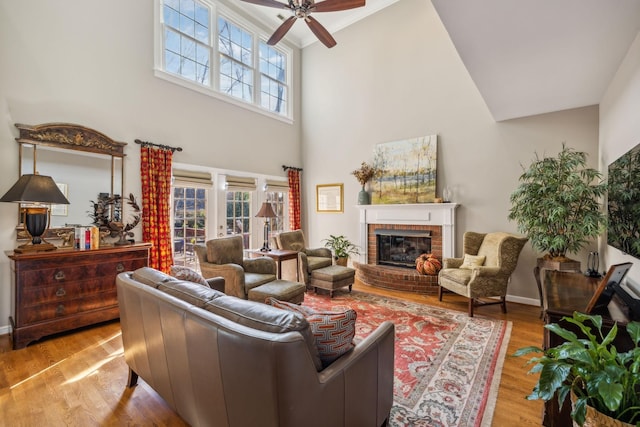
{"type": "Point", "coordinates": [67, 238]}
{"type": "Point", "coordinates": [115, 228]}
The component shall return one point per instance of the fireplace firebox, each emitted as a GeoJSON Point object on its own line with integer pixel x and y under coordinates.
{"type": "Point", "coordinates": [400, 248]}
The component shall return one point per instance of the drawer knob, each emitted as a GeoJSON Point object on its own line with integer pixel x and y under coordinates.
{"type": "Point", "coordinates": [60, 309]}
{"type": "Point", "coordinates": [120, 267]}
{"type": "Point", "coordinates": [61, 292]}
{"type": "Point", "coordinates": [59, 275]}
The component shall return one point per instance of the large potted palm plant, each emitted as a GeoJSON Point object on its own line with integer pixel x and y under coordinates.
{"type": "Point", "coordinates": [558, 204]}
{"type": "Point", "coordinates": [603, 382]}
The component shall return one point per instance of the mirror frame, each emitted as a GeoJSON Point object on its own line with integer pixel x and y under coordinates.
{"type": "Point", "coordinates": [70, 137]}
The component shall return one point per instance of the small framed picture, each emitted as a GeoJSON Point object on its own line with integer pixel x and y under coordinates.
{"type": "Point", "coordinates": [60, 210]}
{"type": "Point", "coordinates": [329, 198]}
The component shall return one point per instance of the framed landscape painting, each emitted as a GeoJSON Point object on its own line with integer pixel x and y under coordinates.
{"type": "Point", "coordinates": [408, 171]}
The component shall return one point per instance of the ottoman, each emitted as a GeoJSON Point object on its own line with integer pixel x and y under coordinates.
{"type": "Point", "coordinates": [332, 277]}
{"type": "Point", "coordinates": [282, 290]}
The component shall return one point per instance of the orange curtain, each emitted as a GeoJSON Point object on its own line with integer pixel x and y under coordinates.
{"type": "Point", "coordinates": [294, 199]}
{"type": "Point", "coordinates": [155, 170]}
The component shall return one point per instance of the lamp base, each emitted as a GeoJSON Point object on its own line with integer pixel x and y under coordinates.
{"type": "Point", "coordinates": [29, 247]}
{"type": "Point", "coordinates": [265, 248]}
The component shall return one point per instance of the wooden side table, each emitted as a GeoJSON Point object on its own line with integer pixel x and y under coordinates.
{"type": "Point", "coordinates": [278, 255]}
{"type": "Point", "coordinates": [547, 264]}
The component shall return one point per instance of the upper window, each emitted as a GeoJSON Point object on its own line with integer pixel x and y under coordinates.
{"type": "Point", "coordinates": [221, 54]}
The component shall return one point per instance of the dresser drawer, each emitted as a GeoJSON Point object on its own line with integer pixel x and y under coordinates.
{"type": "Point", "coordinates": [34, 296]}
{"type": "Point", "coordinates": [59, 310]}
{"type": "Point", "coordinates": [71, 273]}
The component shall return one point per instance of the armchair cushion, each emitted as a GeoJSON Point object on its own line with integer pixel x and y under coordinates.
{"type": "Point", "coordinates": [333, 331]}
{"type": "Point", "coordinates": [225, 250]}
{"type": "Point", "coordinates": [471, 261]}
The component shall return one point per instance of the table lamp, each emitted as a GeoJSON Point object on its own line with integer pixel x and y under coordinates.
{"type": "Point", "coordinates": [37, 191]}
{"type": "Point", "coordinates": [266, 212]}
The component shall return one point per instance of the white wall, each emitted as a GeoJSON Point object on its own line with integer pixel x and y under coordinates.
{"type": "Point", "coordinates": [620, 131]}
{"type": "Point", "coordinates": [91, 62]}
{"type": "Point", "coordinates": [396, 75]}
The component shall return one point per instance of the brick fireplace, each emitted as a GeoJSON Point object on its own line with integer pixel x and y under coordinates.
{"type": "Point", "coordinates": [435, 219]}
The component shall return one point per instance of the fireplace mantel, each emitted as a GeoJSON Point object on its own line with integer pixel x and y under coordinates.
{"type": "Point", "coordinates": [434, 214]}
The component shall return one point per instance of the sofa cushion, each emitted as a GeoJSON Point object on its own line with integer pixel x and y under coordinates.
{"type": "Point", "coordinates": [333, 331]}
{"type": "Point", "coordinates": [151, 277]}
{"type": "Point", "coordinates": [186, 273]}
{"type": "Point", "coordinates": [265, 318]}
{"type": "Point", "coordinates": [190, 292]}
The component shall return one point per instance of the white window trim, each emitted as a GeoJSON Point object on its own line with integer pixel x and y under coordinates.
{"type": "Point", "coordinates": [213, 90]}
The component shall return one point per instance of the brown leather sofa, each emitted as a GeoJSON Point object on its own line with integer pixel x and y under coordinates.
{"type": "Point", "coordinates": [218, 360]}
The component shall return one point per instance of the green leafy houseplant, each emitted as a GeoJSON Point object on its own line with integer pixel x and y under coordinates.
{"type": "Point", "coordinates": [557, 204]}
{"type": "Point", "coordinates": [592, 369]}
{"type": "Point", "coordinates": [341, 246]}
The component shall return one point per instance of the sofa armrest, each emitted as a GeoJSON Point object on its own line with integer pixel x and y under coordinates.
{"type": "Point", "coordinates": [262, 265]}
{"type": "Point", "coordinates": [485, 272]}
{"type": "Point", "coordinates": [355, 371]}
{"type": "Point", "coordinates": [216, 283]}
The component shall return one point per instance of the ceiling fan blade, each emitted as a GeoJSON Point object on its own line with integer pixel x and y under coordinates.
{"type": "Point", "coordinates": [281, 31]}
{"type": "Point", "coordinates": [336, 5]}
{"type": "Point", "coordinates": [268, 3]}
{"type": "Point", "coordinates": [321, 33]}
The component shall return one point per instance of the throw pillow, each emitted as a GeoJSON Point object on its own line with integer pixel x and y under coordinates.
{"type": "Point", "coordinates": [332, 331]}
{"type": "Point", "coordinates": [186, 273]}
{"type": "Point", "coordinates": [471, 261]}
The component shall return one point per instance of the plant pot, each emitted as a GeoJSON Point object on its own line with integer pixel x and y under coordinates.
{"type": "Point", "coordinates": [342, 261]}
{"type": "Point", "coordinates": [595, 418]}
{"type": "Point", "coordinates": [598, 419]}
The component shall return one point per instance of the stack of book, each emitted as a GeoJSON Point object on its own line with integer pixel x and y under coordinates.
{"type": "Point", "coordinates": [87, 237]}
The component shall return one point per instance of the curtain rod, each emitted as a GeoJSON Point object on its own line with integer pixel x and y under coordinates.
{"type": "Point", "coordinates": [166, 147]}
{"type": "Point", "coordinates": [291, 167]}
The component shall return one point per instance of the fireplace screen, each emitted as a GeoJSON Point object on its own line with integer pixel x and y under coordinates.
{"type": "Point", "coordinates": [400, 248]}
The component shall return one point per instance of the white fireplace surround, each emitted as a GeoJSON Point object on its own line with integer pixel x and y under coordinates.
{"type": "Point", "coordinates": [434, 214]}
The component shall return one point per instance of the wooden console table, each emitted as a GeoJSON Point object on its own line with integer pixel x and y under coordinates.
{"type": "Point", "coordinates": [66, 289]}
{"type": "Point", "coordinates": [563, 293]}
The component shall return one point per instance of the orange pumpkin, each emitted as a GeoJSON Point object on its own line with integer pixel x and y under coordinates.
{"type": "Point", "coordinates": [428, 264]}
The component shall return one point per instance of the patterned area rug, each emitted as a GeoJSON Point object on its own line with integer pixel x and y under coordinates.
{"type": "Point", "coordinates": [447, 365]}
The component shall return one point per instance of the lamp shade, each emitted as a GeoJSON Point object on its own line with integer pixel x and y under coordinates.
{"type": "Point", "coordinates": [34, 188]}
{"type": "Point", "coordinates": [266, 211]}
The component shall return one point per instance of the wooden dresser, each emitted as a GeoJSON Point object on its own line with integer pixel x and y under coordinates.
{"type": "Point", "coordinates": [566, 292]}
{"type": "Point", "coordinates": [66, 289]}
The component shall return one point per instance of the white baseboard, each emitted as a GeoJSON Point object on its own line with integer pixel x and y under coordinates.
{"type": "Point", "coordinates": [5, 329]}
{"type": "Point", "coordinates": [523, 300]}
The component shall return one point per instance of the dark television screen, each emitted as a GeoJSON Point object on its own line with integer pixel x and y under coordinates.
{"type": "Point", "coordinates": [623, 230]}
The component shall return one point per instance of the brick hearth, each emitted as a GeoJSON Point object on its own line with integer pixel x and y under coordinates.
{"type": "Point", "coordinates": [396, 278]}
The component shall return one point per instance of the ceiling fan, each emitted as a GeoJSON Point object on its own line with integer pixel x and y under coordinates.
{"type": "Point", "coordinates": [302, 9]}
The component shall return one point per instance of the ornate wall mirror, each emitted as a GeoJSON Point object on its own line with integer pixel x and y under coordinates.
{"type": "Point", "coordinates": [85, 164]}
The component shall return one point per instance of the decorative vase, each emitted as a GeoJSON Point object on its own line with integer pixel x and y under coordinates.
{"type": "Point", "coordinates": [363, 197]}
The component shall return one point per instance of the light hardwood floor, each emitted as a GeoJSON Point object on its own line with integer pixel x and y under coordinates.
{"type": "Point", "coordinates": [79, 378]}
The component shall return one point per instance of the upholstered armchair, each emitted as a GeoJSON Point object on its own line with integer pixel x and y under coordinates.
{"type": "Point", "coordinates": [224, 257]}
{"type": "Point", "coordinates": [308, 259]}
{"type": "Point", "coordinates": [485, 270]}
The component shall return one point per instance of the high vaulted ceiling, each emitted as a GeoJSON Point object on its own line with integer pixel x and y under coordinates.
{"type": "Point", "coordinates": [526, 57]}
